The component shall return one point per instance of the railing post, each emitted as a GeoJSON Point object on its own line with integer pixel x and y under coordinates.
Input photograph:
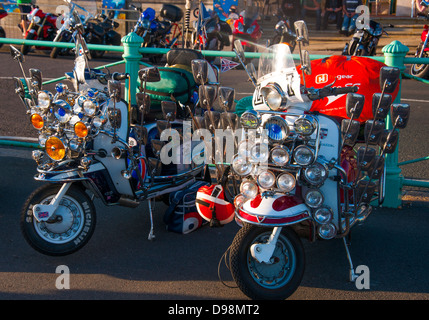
{"type": "Point", "coordinates": [394, 54]}
{"type": "Point", "coordinates": [132, 43]}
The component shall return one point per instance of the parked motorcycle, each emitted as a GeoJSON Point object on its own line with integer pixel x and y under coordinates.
{"type": "Point", "coordinates": [3, 13]}
{"type": "Point", "coordinates": [301, 174]}
{"type": "Point", "coordinates": [247, 29]}
{"type": "Point", "coordinates": [285, 32]}
{"type": "Point", "coordinates": [156, 31]}
{"type": "Point", "coordinates": [365, 40]}
{"type": "Point", "coordinates": [211, 33]}
{"type": "Point", "coordinates": [421, 70]}
{"type": "Point", "coordinates": [95, 144]}
{"type": "Point", "coordinates": [42, 27]}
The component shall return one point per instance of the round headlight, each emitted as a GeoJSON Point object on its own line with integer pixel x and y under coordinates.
{"type": "Point", "coordinates": [244, 148]}
{"type": "Point", "coordinates": [280, 155]}
{"type": "Point", "coordinates": [316, 174]}
{"type": "Point", "coordinates": [259, 153]}
{"type": "Point", "coordinates": [249, 189]}
{"type": "Point", "coordinates": [303, 155]}
{"type": "Point", "coordinates": [90, 106]}
{"type": "Point", "coordinates": [239, 200]}
{"type": "Point", "coordinates": [313, 198]}
{"type": "Point", "coordinates": [323, 215]}
{"type": "Point", "coordinates": [80, 129]}
{"type": "Point", "coordinates": [286, 182]}
{"type": "Point", "coordinates": [36, 19]}
{"type": "Point", "coordinates": [37, 121]}
{"type": "Point", "coordinates": [274, 96]}
{"type": "Point", "coordinates": [44, 99]}
{"type": "Point", "coordinates": [305, 125]}
{"type": "Point", "coordinates": [241, 166]}
{"type": "Point", "coordinates": [74, 145]}
{"type": "Point", "coordinates": [266, 179]}
{"type": "Point", "coordinates": [277, 129]}
{"type": "Point", "coordinates": [250, 120]}
{"type": "Point", "coordinates": [62, 111]}
{"type": "Point", "coordinates": [55, 149]}
{"type": "Point", "coordinates": [327, 231]}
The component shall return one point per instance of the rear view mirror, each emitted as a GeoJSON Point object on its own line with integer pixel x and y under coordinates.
{"type": "Point", "coordinates": [228, 120]}
{"type": "Point", "coordinates": [383, 105]}
{"type": "Point", "coordinates": [169, 110]}
{"type": "Point", "coordinates": [389, 140]}
{"type": "Point", "coordinates": [389, 78]}
{"type": "Point", "coordinates": [301, 31]}
{"type": "Point", "coordinates": [198, 123]}
{"type": "Point", "coordinates": [150, 74]}
{"type": "Point", "coordinates": [19, 87]}
{"type": "Point", "coordinates": [354, 105]}
{"type": "Point", "coordinates": [400, 114]}
{"type": "Point", "coordinates": [239, 49]}
{"type": "Point", "coordinates": [36, 79]}
{"type": "Point", "coordinates": [16, 54]}
{"type": "Point", "coordinates": [366, 158]}
{"type": "Point", "coordinates": [212, 120]}
{"type": "Point", "coordinates": [143, 102]}
{"type": "Point", "coordinates": [226, 97]}
{"type": "Point", "coordinates": [350, 131]}
{"type": "Point", "coordinates": [115, 89]}
{"type": "Point", "coordinates": [373, 131]}
{"type": "Point", "coordinates": [207, 95]}
{"type": "Point", "coordinates": [377, 170]}
{"type": "Point", "coordinates": [251, 71]}
{"type": "Point", "coordinates": [365, 191]}
{"type": "Point", "coordinates": [200, 71]}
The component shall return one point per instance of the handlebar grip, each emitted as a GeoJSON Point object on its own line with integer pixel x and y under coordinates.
{"type": "Point", "coordinates": [119, 76]}
{"type": "Point", "coordinates": [336, 91]}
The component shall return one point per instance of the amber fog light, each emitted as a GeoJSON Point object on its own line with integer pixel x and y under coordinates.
{"type": "Point", "coordinates": [80, 129]}
{"type": "Point", "coordinates": [37, 121]}
{"type": "Point", "coordinates": [55, 149]}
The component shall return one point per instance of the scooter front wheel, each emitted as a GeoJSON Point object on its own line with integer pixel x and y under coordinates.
{"type": "Point", "coordinates": [68, 230]}
{"type": "Point", "coordinates": [278, 279]}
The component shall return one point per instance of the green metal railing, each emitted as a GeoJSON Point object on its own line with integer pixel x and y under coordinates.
{"type": "Point", "coordinates": [394, 55]}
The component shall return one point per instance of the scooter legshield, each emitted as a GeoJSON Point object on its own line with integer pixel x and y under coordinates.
{"type": "Point", "coordinates": [276, 210]}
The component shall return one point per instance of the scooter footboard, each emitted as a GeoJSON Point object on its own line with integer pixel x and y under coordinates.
{"type": "Point", "coordinates": [277, 210]}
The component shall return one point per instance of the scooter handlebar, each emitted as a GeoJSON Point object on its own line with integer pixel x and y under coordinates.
{"type": "Point", "coordinates": [119, 76]}
{"type": "Point", "coordinates": [315, 94]}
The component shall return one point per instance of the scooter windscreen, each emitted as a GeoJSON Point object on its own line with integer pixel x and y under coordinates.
{"type": "Point", "coordinates": [275, 59]}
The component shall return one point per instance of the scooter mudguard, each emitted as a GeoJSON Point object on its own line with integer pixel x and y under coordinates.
{"type": "Point", "coordinates": [276, 210]}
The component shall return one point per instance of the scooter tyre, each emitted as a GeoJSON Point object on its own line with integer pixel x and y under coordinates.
{"type": "Point", "coordinates": [420, 70]}
{"type": "Point", "coordinates": [244, 268]}
{"type": "Point", "coordinates": [77, 221]}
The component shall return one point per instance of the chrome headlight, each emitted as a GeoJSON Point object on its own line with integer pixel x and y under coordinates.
{"type": "Point", "coordinates": [286, 182]}
{"type": "Point", "coordinates": [303, 155]}
{"type": "Point", "coordinates": [44, 99]}
{"type": "Point", "coordinates": [250, 120]}
{"type": "Point", "coordinates": [90, 106]}
{"type": "Point", "coordinates": [239, 200]}
{"type": "Point", "coordinates": [36, 19]}
{"type": "Point", "coordinates": [274, 96]}
{"type": "Point", "coordinates": [327, 231]}
{"type": "Point", "coordinates": [313, 198]}
{"type": "Point", "coordinates": [249, 189]}
{"type": "Point", "coordinates": [241, 166]}
{"type": "Point", "coordinates": [259, 153]}
{"type": "Point", "coordinates": [280, 155]}
{"type": "Point", "coordinates": [266, 179]}
{"type": "Point", "coordinates": [305, 125]}
{"type": "Point", "coordinates": [244, 148]}
{"type": "Point", "coordinates": [323, 215]}
{"type": "Point", "coordinates": [277, 129]}
{"type": "Point", "coordinates": [316, 174]}
{"type": "Point", "coordinates": [62, 111]}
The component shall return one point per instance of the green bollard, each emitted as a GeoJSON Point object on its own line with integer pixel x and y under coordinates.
{"type": "Point", "coordinates": [132, 43]}
{"type": "Point", "coordinates": [394, 54]}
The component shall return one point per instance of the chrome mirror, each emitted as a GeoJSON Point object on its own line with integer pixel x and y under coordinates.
{"type": "Point", "coordinates": [207, 95]}
{"type": "Point", "coordinates": [115, 89]}
{"type": "Point", "coordinates": [400, 114]}
{"type": "Point", "coordinates": [389, 140]}
{"type": "Point", "coordinates": [169, 110]}
{"type": "Point", "coordinates": [389, 78]}
{"type": "Point", "coordinates": [36, 79]}
{"type": "Point", "coordinates": [350, 131]}
{"type": "Point", "coordinates": [301, 32]}
{"type": "Point", "coordinates": [381, 105]}
{"type": "Point", "coordinates": [226, 97]}
{"type": "Point", "coordinates": [365, 158]}
{"type": "Point", "coordinates": [200, 71]}
{"type": "Point", "coordinates": [354, 105]}
{"type": "Point", "coordinates": [373, 131]}
{"type": "Point", "coordinates": [150, 74]}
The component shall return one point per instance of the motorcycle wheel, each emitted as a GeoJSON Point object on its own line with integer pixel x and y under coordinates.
{"type": "Point", "coordinates": [263, 281]}
{"type": "Point", "coordinates": [352, 47]}
{"type": "Point", "coordinates": [420, 70]}
{"type": "Point", "coordinates": [25, 49]}
{"type": "Point", "coordinates": [2, 35]}
{"type": "Point", "coordinates": [72, 228]}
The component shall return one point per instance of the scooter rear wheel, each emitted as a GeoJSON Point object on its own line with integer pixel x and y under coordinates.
{"type": "Point", "coordinates": [68, 231]}
{"type": "Point", "coordinates": [273, 281]}
{"type": "Point", "coordinates": [420, 70]}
